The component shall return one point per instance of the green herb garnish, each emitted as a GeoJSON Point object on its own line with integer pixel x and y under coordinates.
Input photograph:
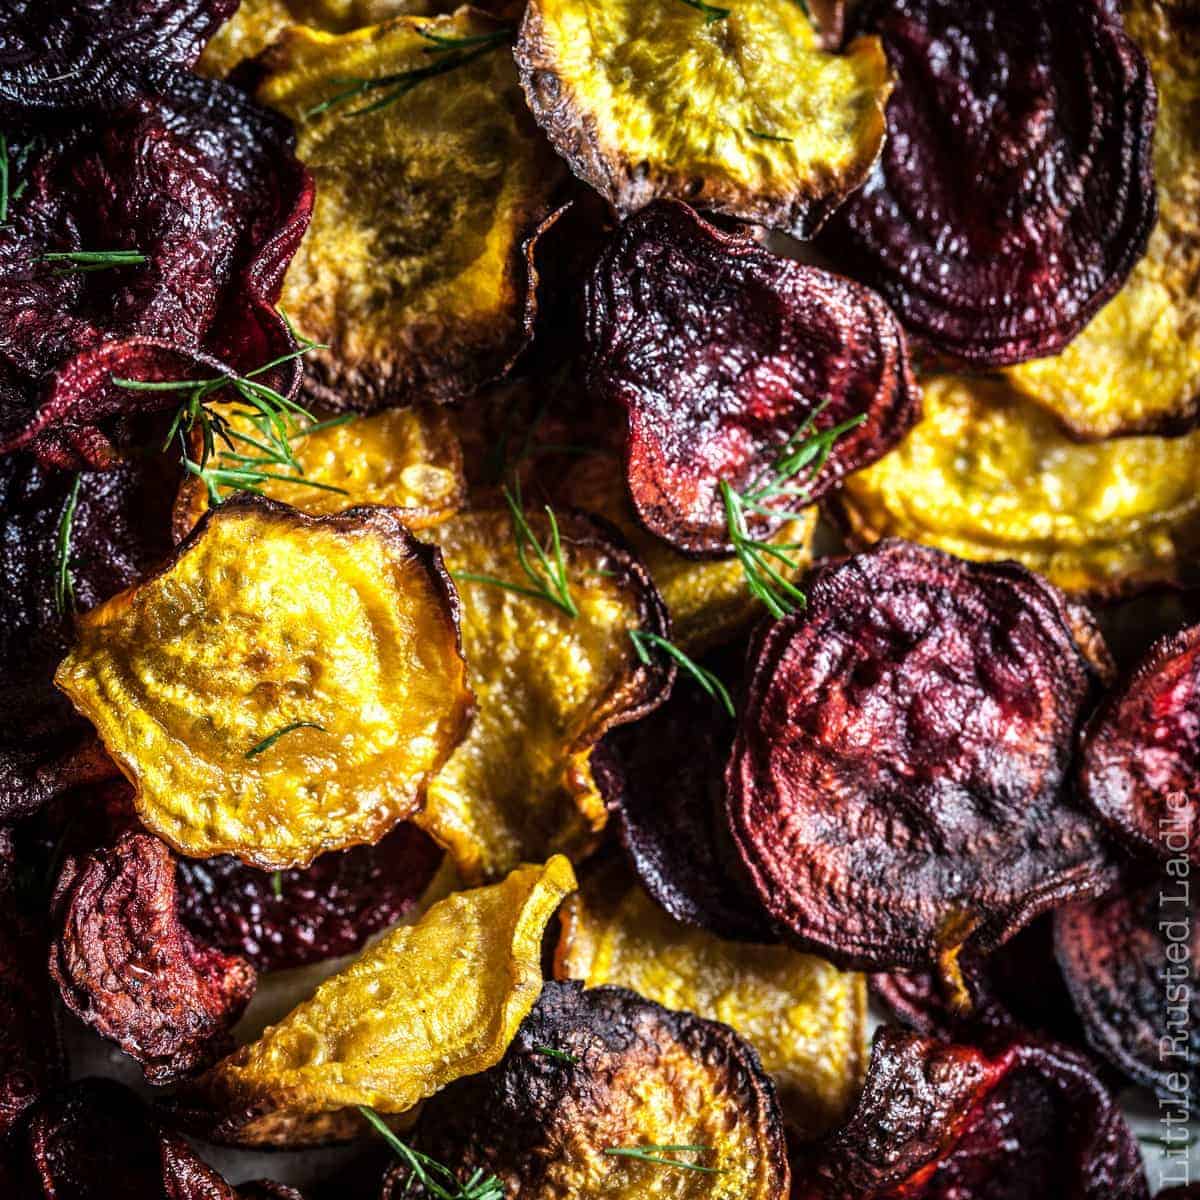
{"type": "Point", "coordinates": [4, 178]}
{"type": "Point", "coordinates": [560, 1055]}
{"type": "Point", "coordinates": [762, 135]}
{"type": "Point", "coordinates": [643, 642]}
{"type": "Point", "coordinates": [64, 585]}
{"type": "Point", "coordinates": [8, 169]}
{"type": "Point", "coordinates": [272, 738]}
{"type": "Point", "coordinates": [655, 1154]}
{"type": "Point", "coordinates": [711, 11]}
{"type": "Point", "coordinates": [436, 1177]}
{"type": "Point", "coordinates": [277, 884]}
{"type": "Point", "coordinates": [81, 262]}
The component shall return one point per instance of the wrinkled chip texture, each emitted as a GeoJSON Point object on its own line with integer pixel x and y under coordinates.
{"type": "Point", "coordinates": [988, 475]}
{"type": "Point", "coordinates": [641, 1076]}
{"type": "Point", "coordinates": [720, 352]}
{"type": "Point", "coordinates": [547, 687]}
{"type": "Point", "coordinates": [413, 272]}
{"type": "Point", "coordinates": [1015, 190]}
{"type": "Point", "coordinates": [1140, 762]}
{"type": "Point", "coordinates": [897, 787]}
{"type": "Point", "coordinates": [805, 1018]}
{"type": "Point", "coordinates": [402, 1021]}
{"type": "Point", "coordinates": [206, 682]}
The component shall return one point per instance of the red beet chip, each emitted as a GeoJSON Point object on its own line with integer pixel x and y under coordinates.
{"type": "Point", "coordinates": [1015, 191]}
{"type": "Point", "coordinates": [896, 790]}
{"type": "Point", "coordinates": [947, 1122]}
{"type": "Point", "coordinates": [720, 352]}
{"type": "Point", "coordinates": [1140, 765]}
{"type": "Point", "coordinates": [202, 184]}
{"type": "Point", "coordinates": [1129, 962]}
{"type": "Point", "coordinates": [303, 916]}
{"type": "Point", "coordinates": [126, 966]}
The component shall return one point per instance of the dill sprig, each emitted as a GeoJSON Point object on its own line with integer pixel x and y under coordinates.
{"type": "Point", "coordinates": [272, 738]}
{"type": "Point", "coordinates": [763, 136]}
{"type": "Point", "coordinates": [711, 11]}
{"type": "Point", "coordinates": [437, 1178]}
{"type": "Point", "coordinates": [82, 262]}
{"type": "Point", "coordinates": [545, 566]}
{"type": "Point", "coordinates": [560, 1055]}
{"type": "Point", "coordinates": [277, 884]}
{"type": "Point", "coordinates": [450, 52]}
{"type": "Point", "coordinates": [643, 642]}
{"type": "Point", "coordinates": [64, 584]}
{"type": "Point", "coordinates": [656, 1154]}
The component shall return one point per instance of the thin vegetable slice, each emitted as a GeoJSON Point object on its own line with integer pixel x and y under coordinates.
{"type": "Point", "coordinates": [286, 686]}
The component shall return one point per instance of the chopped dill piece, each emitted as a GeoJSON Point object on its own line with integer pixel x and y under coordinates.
{"type": "Point", "coordinates": [81, 262]}
{"type": "Point", "coordinates": [762, 135]}
{"type": "Point", "coordinates": [656, 1154]}
{"type": "Point", "coordinates": [711, 11]}
{"type": "Point", "coordinates": [560, 1055]}
{"type": "Point", "coordinates": [272, 738]}
{"type": "Point", "coordinates": [64, 584]}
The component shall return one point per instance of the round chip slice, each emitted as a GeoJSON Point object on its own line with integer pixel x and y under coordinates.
{"type": "Point", "coordinates": [988, 475]}
{"type": "Point", "coordinates": [286, 686]}
{"type": "Point", "coordinates": [597, 1088]}
{"type": "Point", "coordinates": [739, 109]}
{"type": "Point", "coordinates": [413, 272]}
{"type": "Point", "coordinates": [897, 789]}
{"type": "Point", "coordinates": [726, 358]}
{"type": "Point", "coordinates": [1016, 188]}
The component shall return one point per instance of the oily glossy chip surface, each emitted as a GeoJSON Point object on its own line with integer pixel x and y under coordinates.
{"type": "Point", "coordinates": [988, 475]}
{"type": "Point", "coordinates": [1140, 760]}
{"type": "Point", "coordinates": [747, 114]}
{"type": "Point", "coordinates": [425, 1005]}
{"type": "Point", "coordinates": [1015, 190]}
{"type": "Point", "coordinates": [413, 272]}
{"type": "Point", "coordinates": [806, 1019]}
{"type": "Point", "coordinates": [205, 683]}
{"type": "Point", "coordinates": [898, 787]}
{"type": "Point", "coordinates": [640, 1076]}
{"type": "Point", "coordinates": [939, 1122]}
{"type": "Point", "coordinates": [125, 965]}
{"type": "Point", "coordinates": [325, 910]}
{"type": "Point", "coordinates": [1136, 367]}
{"type": "Point", "coordinates": [720, 352]}
{"type": "Point", "coordinates": [547, 687]}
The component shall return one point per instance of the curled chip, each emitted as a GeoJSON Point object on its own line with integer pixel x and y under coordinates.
{"type": "Point", "coordinates": [548, 686]}
{"type": "Point", "coordinates": [66, 541]}
{"type": "Point", "coordinates": [806, 1019]}
{"type": "Point", "coordinates": [149, 247]}
{"type": "Point", "coordinates": [413, 271]}
{"type": "Point", "coordinates": [988, 475]}
{"type": "Point", "coordinates": [286, 686]}
{"type": "Point", "coordinates": [403, 458]}
{"type": "Point", "coordinates": [1117, 955]}
{"type": "Point", "coordinates": [897, 787]}
{"type": "Point", "coordinates": [1015, 191]}
{"type": "Point", "coordinates": [598, 1087]}
{"type": "Point", "coordinates": [938, 1121]}
{"type": "Point", "coordinates": [425, 1005]}
{"type": "Point", "coordinates": [63, 55]}
{"type": "Point", "coordinates": [725, 357]}
{"type": "Point", "coordinates": [328, 909]}
{"type": "Point", "coordinates": [1140, 761]}
{"type": "Point", "coordinates": [126, 966]}
{"type": "Point", "coordinates": [748, 114]}
{"type": "Point", "coordinates": [1136, 367]}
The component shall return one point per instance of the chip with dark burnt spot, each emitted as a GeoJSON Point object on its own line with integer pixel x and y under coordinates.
{"type": "Point", "coordinates": [149, 246]}
{"type": "Point", "coordinates": [1128, 961]}
{"type": "Point", "coordinates": [1140, 761]}
{"type": "Point", "coordinates": [1015, 191]}
{"type": "Point", "coordinates": [897, 790]}
{"type": "Point", "coordinates": [598, 1088]}
{"type": "Point", "coordinates": [724, 357]}
{"type": "Point", "coordinates": [126, 966]}
{"type": "Point", "coordinates": [939, 1121]}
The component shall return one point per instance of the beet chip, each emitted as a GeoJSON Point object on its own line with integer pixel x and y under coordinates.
{"type": "Point", "coordinates": [1140, 766]}
{"type": "Point", "coordinates": [896, 789]}
{"type": "Point", "coordinates": [305, 915]}
{"type": "Point", "coordinates": [943, 1122]}
{"type": "Point", "coordinates": [126, 966]}
{"type": "Point", "coordinates": [197, 193]}
{"type": "Point", "coordinates": [721, 352]}
{"type": "Point", "coordinates": [1128, 959]}
{"type": "Point", "coordinates": [1015, 191]}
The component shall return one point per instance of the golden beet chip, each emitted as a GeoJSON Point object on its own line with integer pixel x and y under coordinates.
{"type": "Point", "coordinates": [1136, 367]}
{"type": "Point", "coordinates": [806, 1019]}
{"type": "Point", "coordinates": [404, 458]}
{"type": "Point", "coordinates": [286, 686]}
{"type": "Point", "coordinates": [425, 1005]}
{"type": "Point", "coordinates": [988, 475]}
{"type": "Point", "coordinates": [413, 269]}
{"type": "Point", "coordinates": [737, 109]}
{"type": "Point", "coordinates": [547, 685]}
